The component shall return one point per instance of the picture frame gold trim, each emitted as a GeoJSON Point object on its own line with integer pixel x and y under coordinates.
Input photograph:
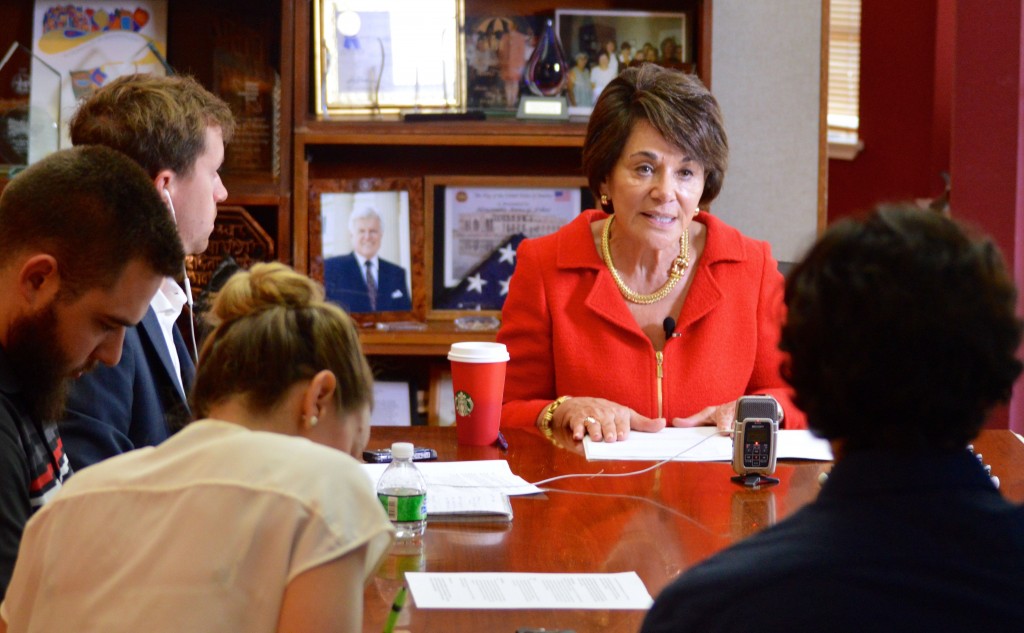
{"type": "Point", "coordinates": [390, 64]}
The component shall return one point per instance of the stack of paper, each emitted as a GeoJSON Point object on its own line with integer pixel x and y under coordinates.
{"type": "Point", "coordinates": [468, 590]}
{"type": "Point", "coordinates": [467, 505]}
{"type": "Point", "coordinates": [466, 491]}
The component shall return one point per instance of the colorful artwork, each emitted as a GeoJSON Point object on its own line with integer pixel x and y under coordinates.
{"type": "Point", "coordinates": [77, 47]}
{"type": "Point", "coordinates": [70, 21]}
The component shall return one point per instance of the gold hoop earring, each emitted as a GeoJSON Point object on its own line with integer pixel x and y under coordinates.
{"type": "Point", "coordinates": [604, 200]}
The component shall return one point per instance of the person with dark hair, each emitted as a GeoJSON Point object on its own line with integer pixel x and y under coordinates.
{"type": "Point", "coordinates": [601, 74]}
{"type": "Point", "coordinates": [902, 336]}
{"type": "Point", "coordinates": [646, 312]}
{"type": "Point", "coordinates": [670, 54]}
{"type": "Point", "coordinates": [84, 242]}
{"type": "Point", "coordinates": [176, 130]}
{"type": "Point", "coordinates": [579, 90]}
{"type": "Point", "coordinates": [254, 518]}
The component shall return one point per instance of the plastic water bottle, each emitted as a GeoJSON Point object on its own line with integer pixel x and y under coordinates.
{"type": "Point", "coordinates": [403, 493]}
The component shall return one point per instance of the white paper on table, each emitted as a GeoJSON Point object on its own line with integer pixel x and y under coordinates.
{"type": "Point", "coordinates": [443, 501]}
{"type": "Point", "coordinates": [528, 591]}
{"type": "Point", "coordinates": [472, 476]}
{"type": "Point", "coordinates": [701, 444]}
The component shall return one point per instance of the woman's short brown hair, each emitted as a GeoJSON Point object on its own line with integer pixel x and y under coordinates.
{"type": "Point", "coordinates": [674, 103]}
{"type": "Point", "coordinates": [272, 329]}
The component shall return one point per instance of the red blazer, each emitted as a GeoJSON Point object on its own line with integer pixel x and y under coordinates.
{"type": "Point", "coordinates": [570, 332]}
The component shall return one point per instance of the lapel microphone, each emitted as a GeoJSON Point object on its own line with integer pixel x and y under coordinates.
{"type": "Point", "coordinates": [669, 324]}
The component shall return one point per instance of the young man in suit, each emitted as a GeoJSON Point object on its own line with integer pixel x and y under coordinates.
{"type": "Point", "coordinates": [176, 130]}
{"type": "Point", "coordinates": [902, 335]}
{"type": "Point", "coordinates": [84, 243]}
{"type": "Point", "coordinates": [361, 281]}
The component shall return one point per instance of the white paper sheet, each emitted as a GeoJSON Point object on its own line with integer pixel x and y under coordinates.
{"type": "Point", "coordinates": [701, 444]}
{"type": "Point", "coordinates": [528, 591]}
{"type": "Point", "coordinates": [456, 502]}
{"type": "Point", "coordinates": [492, 475]}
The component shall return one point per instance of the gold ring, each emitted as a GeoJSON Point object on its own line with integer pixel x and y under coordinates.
{"type": "Point", "coordinates": [589, 420]}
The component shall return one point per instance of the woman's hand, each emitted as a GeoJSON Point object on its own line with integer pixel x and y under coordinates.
{"type": "Point", "coordinates": [602, 420]}
{"type": "Point", "coordinates": [722, 416]}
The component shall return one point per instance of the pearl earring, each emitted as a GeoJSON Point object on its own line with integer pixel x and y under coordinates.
{"type": "Point", "coordinates": [312, 421]}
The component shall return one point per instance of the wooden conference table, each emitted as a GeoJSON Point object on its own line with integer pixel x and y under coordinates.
{"type": "Point", "coordinates": [657, 524]}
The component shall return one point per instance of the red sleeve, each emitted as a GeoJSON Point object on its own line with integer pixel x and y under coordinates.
{"type": "Point", "coordinates": [526, 331]}
{"type": "Point", "coordinates": [767, 377]}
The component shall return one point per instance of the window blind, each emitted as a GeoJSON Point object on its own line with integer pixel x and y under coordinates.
{"type": "Point", "coordinates": [844, 66]}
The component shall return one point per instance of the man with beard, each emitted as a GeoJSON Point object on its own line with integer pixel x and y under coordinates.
{"type": "Point", "coordinates": [85, 241]}
{"type": "Point", "coordinates": [176, 130]}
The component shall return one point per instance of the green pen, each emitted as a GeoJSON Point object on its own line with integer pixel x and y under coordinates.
{"type": "Point", "coordinates": [396, 608]}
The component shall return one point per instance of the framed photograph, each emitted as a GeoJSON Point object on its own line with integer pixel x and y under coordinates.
{"type": "Point", "coordinates": [393, 403]}
{"type": "Point", "coordinates": [497, 49]}
{"type": "Point", "coordinates": [598, 44]}
{"type": "Point", "coordinates": [366, 246]}
{"type": "Point", "coordinates": [388, 56]}
{"type": "Point", "coordinates": [474, 224]}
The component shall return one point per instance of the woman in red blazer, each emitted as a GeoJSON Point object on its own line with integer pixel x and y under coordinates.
{"type": "Point", "coordinates": [649, 312]}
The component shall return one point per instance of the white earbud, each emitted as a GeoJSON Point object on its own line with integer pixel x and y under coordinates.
{"type": "Point", "coordinates": [167, 194]}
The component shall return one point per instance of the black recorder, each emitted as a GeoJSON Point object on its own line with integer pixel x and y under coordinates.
{"type": "Point", "coordinates": [754, 440]}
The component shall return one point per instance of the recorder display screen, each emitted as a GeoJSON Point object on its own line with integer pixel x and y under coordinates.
{"type": "Point", "coordinates": [758, 434]}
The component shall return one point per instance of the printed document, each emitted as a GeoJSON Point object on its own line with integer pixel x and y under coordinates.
{"type": "Point", "coordinates": [528, 591]}
{"type": "Point", "coordinates": [490, 474]}
{"type": "Point", "coordinates": [701, 444]}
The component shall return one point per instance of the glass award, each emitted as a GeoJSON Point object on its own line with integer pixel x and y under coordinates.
{"type": "Point", "coordinates": [546, 77]}
{"type": "Point", "coordinates": [23, 126]}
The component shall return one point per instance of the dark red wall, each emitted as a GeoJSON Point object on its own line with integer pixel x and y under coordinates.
{"type": "Point", "coordinates": [903, 155]}
{"type": "Point", "coordinates": [942, 89]}
{"type": "Point", "coordinates": [986, 142]}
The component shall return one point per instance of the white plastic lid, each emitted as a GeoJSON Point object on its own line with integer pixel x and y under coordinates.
{"type": "Point", "coordinates": [478, 352]}
{"type": "Point", "coordinates": [401, 450]}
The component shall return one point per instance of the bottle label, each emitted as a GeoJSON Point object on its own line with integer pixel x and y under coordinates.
{"type": "Point", "coordinates": [405, 509]}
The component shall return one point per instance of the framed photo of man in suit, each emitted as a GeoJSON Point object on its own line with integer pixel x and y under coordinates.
{"type": "Point", "coordinates": [366, 246]}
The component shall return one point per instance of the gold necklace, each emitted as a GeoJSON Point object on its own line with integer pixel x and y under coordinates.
{"type": "Point", "coordinates": [675, 272]}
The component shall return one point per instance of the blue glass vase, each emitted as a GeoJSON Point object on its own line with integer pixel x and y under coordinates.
{"type": "Point", "coordinates": [547, 73]}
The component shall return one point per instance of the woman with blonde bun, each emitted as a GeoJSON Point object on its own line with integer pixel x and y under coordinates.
{"type": "Point", "coordinates": [254, 518]}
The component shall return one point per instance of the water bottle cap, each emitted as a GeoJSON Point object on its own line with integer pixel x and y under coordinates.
{"type": "Point", "coordinates": [401, 450]}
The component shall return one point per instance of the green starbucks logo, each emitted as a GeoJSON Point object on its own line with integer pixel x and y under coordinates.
{"type": "Point", "coordinates": [463, 403]}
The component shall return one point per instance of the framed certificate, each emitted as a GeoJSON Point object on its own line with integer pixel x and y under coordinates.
{"type": "Point", "coordinates": [388, 55]}
{"type": "Point", "coordinates": [475, 224]}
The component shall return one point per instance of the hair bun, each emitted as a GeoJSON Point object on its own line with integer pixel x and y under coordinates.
{"type": "Point", "coordinates": [265, 286]}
